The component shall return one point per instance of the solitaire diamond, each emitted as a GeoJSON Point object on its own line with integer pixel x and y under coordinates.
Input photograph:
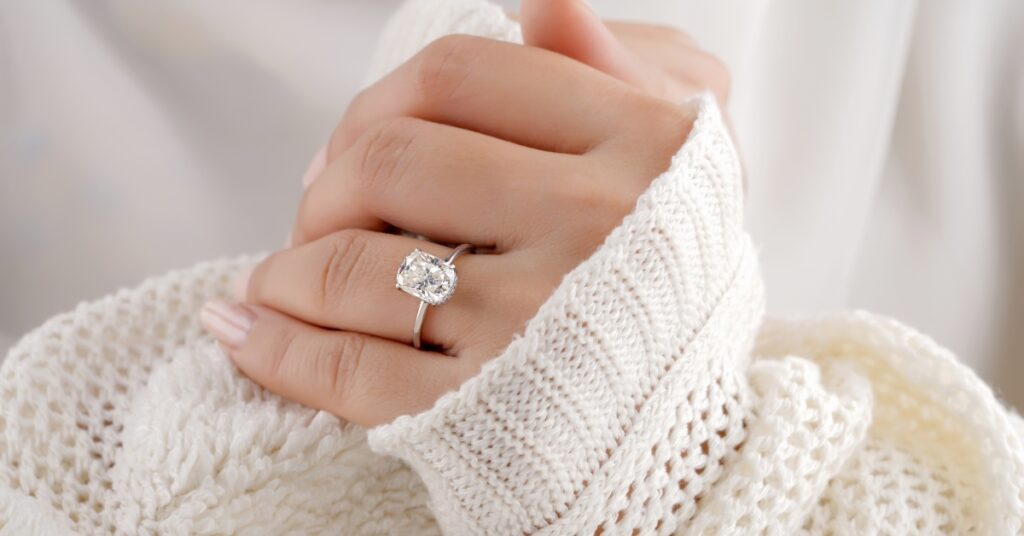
{"type": "Point", "coordinates": [427, 277]}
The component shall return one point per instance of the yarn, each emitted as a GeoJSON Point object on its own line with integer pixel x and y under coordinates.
{"type": "Point", "coordinates": [649, 395]}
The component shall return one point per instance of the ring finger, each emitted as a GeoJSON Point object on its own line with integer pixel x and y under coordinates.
{"type": "Point", "coordinates": [346, 281]}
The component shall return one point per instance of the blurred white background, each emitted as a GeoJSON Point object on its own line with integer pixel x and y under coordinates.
{"type": "Point", "coordinates": [883, 142]}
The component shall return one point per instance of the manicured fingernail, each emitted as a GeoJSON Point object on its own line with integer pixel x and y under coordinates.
{"type": "Point", "coordinates": [229, 323]}
{"type": "Point", "coordinates": [240, 286]}
{"type": "Point", "coordinates": [316, 166]}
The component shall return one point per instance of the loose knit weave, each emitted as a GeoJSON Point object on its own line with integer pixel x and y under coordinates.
{"type": "Point", "coordinates": [647, 396]}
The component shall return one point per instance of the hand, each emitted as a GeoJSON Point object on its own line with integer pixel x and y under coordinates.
{"type": "Point", "coordinates": [522, 151]}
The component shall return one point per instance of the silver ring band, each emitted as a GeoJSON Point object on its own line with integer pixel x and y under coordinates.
{"type": "Point", "coordinates": [421, 313]}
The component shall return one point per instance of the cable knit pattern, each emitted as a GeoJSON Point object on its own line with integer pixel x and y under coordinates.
{"type": "Point", "coordinates": [629, 405]}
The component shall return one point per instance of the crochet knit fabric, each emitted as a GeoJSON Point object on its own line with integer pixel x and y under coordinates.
{"type": "Point", "coordinates": [648, 396]}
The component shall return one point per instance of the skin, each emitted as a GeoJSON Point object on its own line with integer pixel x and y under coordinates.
{"type": "Point", "coordinates": [533, 152]}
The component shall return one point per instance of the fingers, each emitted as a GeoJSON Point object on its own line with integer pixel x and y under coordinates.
{"type": "Point", "coordinates": [364, 379]}
{"type": "Point", "coordinates": [571, 28]}
{"type": "Point", "coordinates": [676, 55]}
{"type": "Point", "coordinates": [346, 280]}
{"type": "Point", "coordinates": [403, 172]}
{"type": "Point", "coordinates": [493, 87]}
{"type": "Point", "coordinates": [658, 60]}
{"type": "Point", "coordinates": [630, 32]}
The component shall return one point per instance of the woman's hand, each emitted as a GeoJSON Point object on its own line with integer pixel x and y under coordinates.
{"type": "Point", "coordinates": [521, 151]}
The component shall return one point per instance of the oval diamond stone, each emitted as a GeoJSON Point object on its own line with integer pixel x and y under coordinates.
{"type": "Point", "coordinates": [426, 277]}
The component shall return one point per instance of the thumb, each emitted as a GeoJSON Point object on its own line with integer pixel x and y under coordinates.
{"type": "Point", "coordinates": [571, 28]}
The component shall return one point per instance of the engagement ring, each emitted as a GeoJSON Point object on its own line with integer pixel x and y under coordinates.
{"type": "Point", "coordinates": [430, 279]}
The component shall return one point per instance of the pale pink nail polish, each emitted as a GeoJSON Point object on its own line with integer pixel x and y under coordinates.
{"type": "Point", "coordinates": [316, 166]}
{"type": "Point", "coordinates": [229, 323]}
{"type": "Point", "coordinates": [240, 286]}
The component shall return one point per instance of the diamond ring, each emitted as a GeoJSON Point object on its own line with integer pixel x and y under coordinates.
{"type": "Point", "coordinates": [430, 279]}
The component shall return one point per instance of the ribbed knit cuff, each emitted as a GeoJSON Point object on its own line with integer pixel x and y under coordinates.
{"type": "Point", "coordinates": [626, 390]}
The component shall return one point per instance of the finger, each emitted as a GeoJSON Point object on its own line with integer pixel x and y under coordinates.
{"type": "Point", "coordinates": [346, 280]}
{"type": "Point", "coordinates": [675, 54]}
{"type": "Point", "coordinates": [660, 61]}
{"type": "Point", "coordinates": [493, 87]}
{"type": "Point", "coordinates": [363, 379]}
{"type": "Point", "coordinates": [435, 180]}
{"type": "Point", "coordinates": [571, 28]}
{"type": "Point", "coordinates": [629, 32]}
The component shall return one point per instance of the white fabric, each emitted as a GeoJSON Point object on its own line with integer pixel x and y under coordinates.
{"type": "Point", "coordinates": [884, 143]}
{"type": "Point", "coordinates": [636, 401]}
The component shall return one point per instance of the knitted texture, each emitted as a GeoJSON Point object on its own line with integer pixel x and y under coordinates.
{"type": "Point", "coordinates": [123, 417]}
{"type": "Point", "coordinates": [626, 391]}
{"type": "Point", "coordinates": [630, 404]}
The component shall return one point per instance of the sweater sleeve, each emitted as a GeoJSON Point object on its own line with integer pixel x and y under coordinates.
{"type": "Point", "coordinates": [618, 403]}
{"type": "Point", "coordinates": [630, 404]}
{"type": "Point", "coordinates": [624, 394]}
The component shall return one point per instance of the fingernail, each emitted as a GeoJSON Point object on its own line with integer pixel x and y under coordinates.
{"type": "Point", "coordinates": [240, 286]}
{"type": "Point", "coordinates": [316, 166]}
{"type": "Point", "coordinates": [229, 323]}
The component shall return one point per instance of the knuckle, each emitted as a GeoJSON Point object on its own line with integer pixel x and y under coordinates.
{"type": "Point", "coordinates": [343, 256]}
{"type": "Point", "coordinates": [286, 348]}
{"type": "Point", "coordinates": [341, 363]}
{"type": "Point", "coordinates": [384, 154]}
{"type": "Point", "coordinates": [444, 65]}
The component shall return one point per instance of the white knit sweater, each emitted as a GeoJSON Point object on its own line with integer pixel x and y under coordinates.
{"type": "Point", "coordinates": [648, 396]}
